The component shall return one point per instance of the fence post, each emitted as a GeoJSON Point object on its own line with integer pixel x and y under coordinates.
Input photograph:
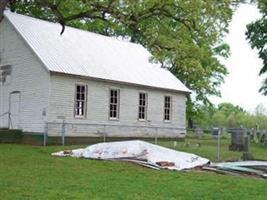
{"type": "Point", "coordinates": [45, 134]}
{"type": "Point", "coordinates": [218, 145]}
{"type": "Point", "coordinates": [62, 129]}
{"type": "Point", "coordinates": [63, 132]}
{"type": "Point", "coordinates": [156, 136]}
{"type": "Point", "coordinates": [104, 133]}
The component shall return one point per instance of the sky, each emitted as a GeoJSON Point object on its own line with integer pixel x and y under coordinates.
{"type": "Point", "coordinates": [242, 83]}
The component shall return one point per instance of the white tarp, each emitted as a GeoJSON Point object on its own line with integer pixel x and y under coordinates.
{"type": "Point", "coordinates": [139, 152]}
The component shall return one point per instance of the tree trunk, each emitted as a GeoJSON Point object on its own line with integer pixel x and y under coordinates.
{"type": "Point", "coordinates": [190, 123]}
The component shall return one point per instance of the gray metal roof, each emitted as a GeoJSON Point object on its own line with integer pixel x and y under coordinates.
{"type": "Point", "coordinates": [84, 53]}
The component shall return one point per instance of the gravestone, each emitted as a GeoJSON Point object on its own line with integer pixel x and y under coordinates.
{"type": "Point", "coordinates": [247, 155]}
{"type": "Point", "coordinates": [237, 139]}
{"type": "Point", "coordinates": [263, 136]}
{"type": "Point", "coordinates": [216, 133]}
{"type": "Point", "coordinates": [251, 135]}
{"type": "Point", "coordinates": [199, 132]}
{"type": "Point", "coordinates": [223, 131]}
{"type": "Point", "coordinates": [259, 135]}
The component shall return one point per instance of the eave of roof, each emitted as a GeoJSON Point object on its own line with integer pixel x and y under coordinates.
{"type": "Point", "coordinates": [121, 83]}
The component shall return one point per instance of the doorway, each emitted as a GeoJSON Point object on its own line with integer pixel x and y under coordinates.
{"type": "Point", "coordinates": [14, 110]}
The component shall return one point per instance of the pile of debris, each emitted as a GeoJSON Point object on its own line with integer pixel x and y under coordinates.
{"type": "Point", "coordinates": [139, 152]}
{"type": "Point", "coordinates": [247, 168]}
{"type": "Point", "coordinates": [158, 157]}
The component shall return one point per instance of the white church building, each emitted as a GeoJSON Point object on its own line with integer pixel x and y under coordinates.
{"type": "Point", "coordinates": [93, 83]}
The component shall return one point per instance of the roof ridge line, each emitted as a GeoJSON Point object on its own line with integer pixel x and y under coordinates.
{"type": "Point", "coordinates": [70, 27]}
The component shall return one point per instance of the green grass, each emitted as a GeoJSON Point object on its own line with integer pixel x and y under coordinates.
{"type": "Point", "coordinates": [208, 148]}
{"type": "Point", "coordinates": [29, 172]}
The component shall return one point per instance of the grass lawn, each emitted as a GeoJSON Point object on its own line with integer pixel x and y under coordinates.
{"type": "Point", "coordinates": [29, 172]}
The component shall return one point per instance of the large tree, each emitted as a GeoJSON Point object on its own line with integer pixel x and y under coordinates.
{"type": "Point", "coordinates": [183, 35]}
{"type": "Point", "coordinates": [257, 35]}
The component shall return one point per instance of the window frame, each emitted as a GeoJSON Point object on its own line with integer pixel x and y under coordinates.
{"type": "Point", "coordinates": [165, 108]}
{"type": "Point", "coordinates": [7, 69]}
{"type": "Point", "coordinates": [85, 101]}
{"type": "Point", "coordinates": [117, 105]}
{"type": "Point", "coordinates": [144, 106]}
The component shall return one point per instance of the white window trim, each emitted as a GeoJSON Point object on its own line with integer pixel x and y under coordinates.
{"type": "Point", "coordinates": [170, 115]}
{"type": "Point", "coordinates": [118, 105]}
{"type": "Point", "coordinates": [146, 106]}
{"type": "Point", "coordinates": [85, 102]}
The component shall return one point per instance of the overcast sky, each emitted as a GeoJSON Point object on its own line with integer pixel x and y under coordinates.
{"type": "Point", "coordinates": [242, 83]}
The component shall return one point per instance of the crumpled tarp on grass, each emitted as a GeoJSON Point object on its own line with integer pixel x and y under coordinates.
{"type": "Point", "coordinates": [139, 152]}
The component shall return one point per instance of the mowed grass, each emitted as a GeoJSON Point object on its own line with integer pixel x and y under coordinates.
{"type": "Point", "coordinates": [208, 147]}
{"type": "Point", "coordinates": [30, 172]}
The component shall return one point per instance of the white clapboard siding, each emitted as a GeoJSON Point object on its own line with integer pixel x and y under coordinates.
{"type": "Point", "coordinates": [62, 104]}
{"type": "Point", "coordinates": [28, 77]}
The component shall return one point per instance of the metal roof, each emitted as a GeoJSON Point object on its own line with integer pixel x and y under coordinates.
{"type": "Point", "coordinates": [84, 53]}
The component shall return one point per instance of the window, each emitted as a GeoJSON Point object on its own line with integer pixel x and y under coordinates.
{"type": "Point", "coordinates": [114, 104]}
{"type": "Point", "coordinates": [5, 74]}
{"type": "Point", "coordinates": [142, 110]}
{"type": "Point", "coordinates": [80, 101]}
{"type": "Point", "coordinates": [167, 108]}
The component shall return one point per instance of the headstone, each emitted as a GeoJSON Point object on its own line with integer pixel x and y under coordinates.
{"type": "Point", "coordinates": [258, 134]}
{"type": "Point", "coordinates": [216, 133]}
{"type": "Point", "coordinates": [265, 142]}
{"type": "Point", "coordinates": [223, 131]}
{"type": "Point", "coordinates": [253, 132]}
{"type": "Point", "coordinates": [247, 155]}
{"type": "Point", "coordinates": [199, 132]}
{"type": "Point", "coordinates": [250, 133]}
{"type": "Point", "coordinates": [263, 136]}
{"type": "Point", "coordinates": [237, 139]}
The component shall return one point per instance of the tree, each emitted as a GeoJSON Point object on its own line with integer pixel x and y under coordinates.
{"type": "Point", "coordinates": [228, 109]}
{"type": "Point", "coordinates": [232, 116]}
{"type": "Point", "coordinates": [184, 36]}
{"type": "Point", "coordinates": [260, 110]}
{"type": "Point", "coordinates": [257, 36]}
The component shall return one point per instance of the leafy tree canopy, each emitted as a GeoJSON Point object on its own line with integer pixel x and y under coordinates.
{"type": "Point", "coordinates": [228, 108]}
{"type": "Point", "coordinates": [231, 116]}
{"type": "Point", "coordinates": [183, 35]}
{"type": "Point", "coordinates": [257, 35]}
